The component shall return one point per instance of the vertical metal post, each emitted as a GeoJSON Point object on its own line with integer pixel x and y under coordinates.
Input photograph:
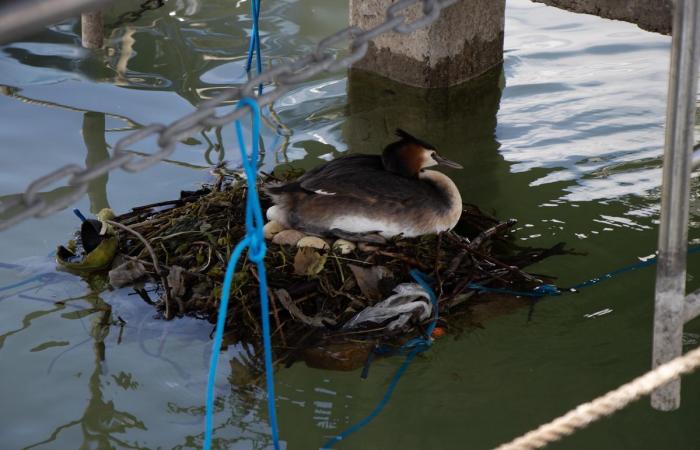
{"type": "Point", "coordinates": [673, 229]}
{"type": "Point", "coordinates": [92, 29]}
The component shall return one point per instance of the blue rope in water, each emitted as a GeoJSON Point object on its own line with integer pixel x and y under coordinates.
{"type": "Point", "coordinates": [255, 243]}
{"type": "Point", "coordinates": [254, 43]}
{"type": "Point", "coordinates": [420, 344]}
{"type": "Point", "coordinates": [414, 347]}
{"type": "Point", "coordinates": [545, 290]}
{"type": "Point", "coordinates": [542, 290]}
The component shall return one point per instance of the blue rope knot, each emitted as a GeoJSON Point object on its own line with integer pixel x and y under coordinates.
{"type": "Point", "coordinates": [254, 222]}
{"type": "Point", "coordinates": [257, 250]}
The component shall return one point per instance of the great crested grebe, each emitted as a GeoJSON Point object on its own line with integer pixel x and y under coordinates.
{"type": "Point", "coordinates": [358, 195]}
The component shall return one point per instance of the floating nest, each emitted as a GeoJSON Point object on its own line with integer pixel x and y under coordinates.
{"type": "Point", "coordinates": [184, 246]}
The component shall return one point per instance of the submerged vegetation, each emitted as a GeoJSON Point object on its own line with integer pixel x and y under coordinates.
{"type": "Point", "coordinates": [317, 292]}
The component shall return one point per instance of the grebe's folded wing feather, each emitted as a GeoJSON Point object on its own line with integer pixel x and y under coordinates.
{"type": "Point", "coordinates": [327, 175]}
{"type": "Point", "coordinates": [366, 180]}
{"type": "Point", "coordinates": [338, 175]}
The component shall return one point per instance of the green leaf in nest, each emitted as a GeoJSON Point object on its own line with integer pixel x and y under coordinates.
{"type": "Point", "coordinates": [240, 279]}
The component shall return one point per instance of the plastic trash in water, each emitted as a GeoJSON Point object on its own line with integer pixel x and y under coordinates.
{"type": "Point", "coordinates": [93, 248]}
{"type": "Point", "coordinates": [410, 300]}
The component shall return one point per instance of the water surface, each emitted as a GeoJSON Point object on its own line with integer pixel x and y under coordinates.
{"type": "Point", "coordinates": [566, 138]}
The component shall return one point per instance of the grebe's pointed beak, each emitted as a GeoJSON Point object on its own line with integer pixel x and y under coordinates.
{"type": "Point", "coordinates": [447, 162]}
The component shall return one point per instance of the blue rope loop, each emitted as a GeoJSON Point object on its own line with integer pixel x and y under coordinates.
{"type": "Point", "coordinates": [254, 242]}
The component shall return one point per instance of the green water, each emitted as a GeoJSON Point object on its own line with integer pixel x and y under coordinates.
{"type": "Point", "coordinates": [567, 139]}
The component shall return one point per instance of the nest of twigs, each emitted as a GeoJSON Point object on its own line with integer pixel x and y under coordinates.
{"type": "Point", "coordinates": [192, 237]}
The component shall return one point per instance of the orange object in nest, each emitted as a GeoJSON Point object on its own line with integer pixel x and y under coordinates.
{"type": "Point", "coordinates": [439, 332]}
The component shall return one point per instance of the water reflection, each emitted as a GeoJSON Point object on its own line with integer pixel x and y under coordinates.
{"type": "Point", "coordinates": [96, 145]}
{"type": "Point", "coordinates": [101, 422]}
{"type": "Point", "coordinates": [566, 139]}
{"type": "Point", "coordinates": [460, 122]}
{"type": "Point", "coordinates": [93, 131]}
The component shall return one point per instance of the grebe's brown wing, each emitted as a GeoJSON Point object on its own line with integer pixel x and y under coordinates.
{"type": "Point", "coordinates": [370, 184]}
{"type": "Point", "coordinates": [340, 168]}
{"type": "Point", "coordinates": [330, 174]}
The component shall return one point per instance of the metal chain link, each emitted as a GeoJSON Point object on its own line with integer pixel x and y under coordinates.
{"type": "Point", "coordinates": [133, 16]}
{"type": "Point", "coordinates": [283, 76]}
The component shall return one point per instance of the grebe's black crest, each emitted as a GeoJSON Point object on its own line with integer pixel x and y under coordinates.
{"type": "Point", "coordinates": [409, 138]}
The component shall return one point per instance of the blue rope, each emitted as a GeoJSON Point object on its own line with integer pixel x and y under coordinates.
{"type": "Point", "coordinates": [80, 215]}
{"type": "Point", "coordinates": [542, 290]}
{"type": "Point", "coordinates": [255, 243]}
{"type": "Point", "coordinates": [546, 290]}
{"type": "Point", "coordinates": [420, 344]}
{"type": "Point", "coordinates": [413, 347]}
{"type": "Point", "coordinates": [254, 43]}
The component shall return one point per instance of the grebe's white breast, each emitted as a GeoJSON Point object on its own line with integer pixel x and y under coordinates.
{"type": "Point", "coordinates": [444, 221]}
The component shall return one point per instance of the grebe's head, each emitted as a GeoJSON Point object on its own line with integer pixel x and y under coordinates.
{"type": "Point", "coordinates": [409, 155]}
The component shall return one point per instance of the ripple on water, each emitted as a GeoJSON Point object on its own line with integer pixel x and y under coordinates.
{"type": "Point", "coordinates": [575, 155]}
{"type": "Point", "coordinates": [590, 95]}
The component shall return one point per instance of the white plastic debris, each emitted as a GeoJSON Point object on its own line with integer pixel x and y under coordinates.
{"type": "Point", "coordinates": [409, 300]}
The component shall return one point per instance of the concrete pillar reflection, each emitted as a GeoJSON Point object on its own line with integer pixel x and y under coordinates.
{"type": "Point", "coordinates": [94, 137]}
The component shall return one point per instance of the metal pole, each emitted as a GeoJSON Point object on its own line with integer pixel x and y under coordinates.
{"type": "Point", "coordinates": [673, 229]}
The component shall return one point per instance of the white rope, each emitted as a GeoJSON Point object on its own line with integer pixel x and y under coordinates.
{"type": "Point", "coordinates": [603, 406]}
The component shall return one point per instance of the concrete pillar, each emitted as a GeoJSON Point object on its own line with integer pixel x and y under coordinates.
{"type": "Point", "coordinates": [92, 29]}
{"type": "Point", "coordinates": [464, 42]}
{"type": "Point", "coordinates": [651, 15]}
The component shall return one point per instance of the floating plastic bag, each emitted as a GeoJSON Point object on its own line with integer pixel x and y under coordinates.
{"type": "Point", "coordinates": [410, 300]}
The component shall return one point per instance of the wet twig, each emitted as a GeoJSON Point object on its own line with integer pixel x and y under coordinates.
{"type": "Point", "coordinates": [489, 233]}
